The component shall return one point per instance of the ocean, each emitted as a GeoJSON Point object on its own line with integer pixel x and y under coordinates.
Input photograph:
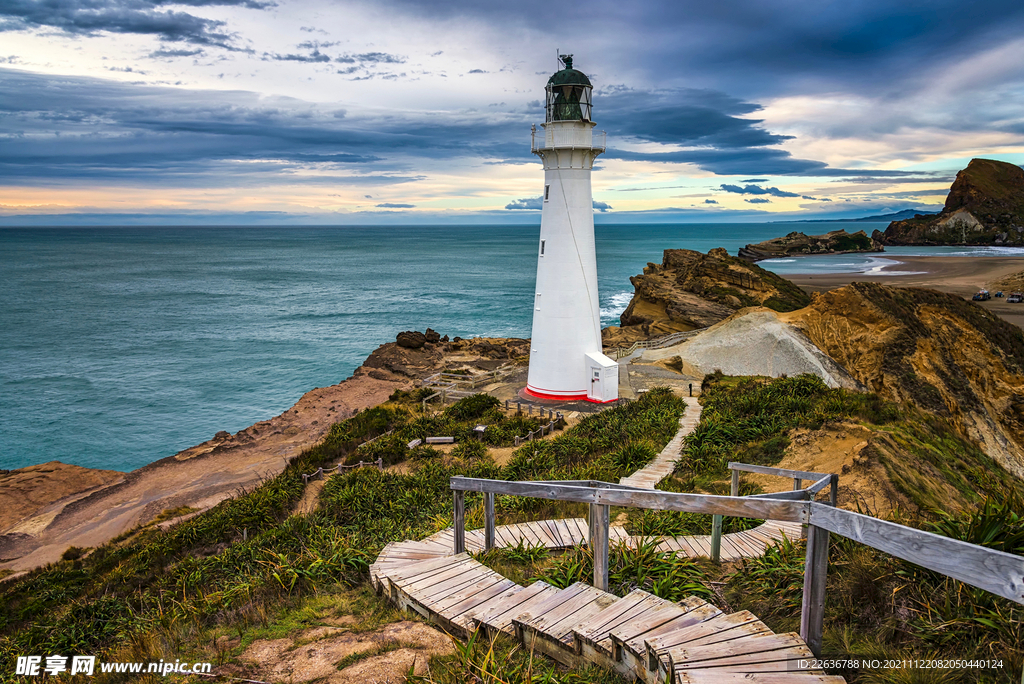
{"type": "Point", "coordinates": [123, 345]}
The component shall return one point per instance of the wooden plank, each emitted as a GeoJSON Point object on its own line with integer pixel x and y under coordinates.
{"type": "Point", "coordinates": [489, 521]}
{"type": "Point", "coordinates": [760, 647]}
{"type": "Point", "coordinates": [781, 472]}
{"type": "Point", "coordinates": [780, 660]}
{"type": "Point", "coordinates": [994, 571]}
{"type": "Point", "coordinates": [742, 631]}
{"type": "Point", "coordinates": [425, 566]}
{"type": "Point", "coordinates": [426, 585]}
{"type": "Point", "coordinates": [468, 599]}
{"type": "Point", "coordinates": [544, 533]}
{"type": "Point", "coordinates": [820, 484]}
{"type": "Point", "coordinates": [749, 547]}
{"type": "Point", "coordinates": [558, 623]}
{"type": "Point", "coordinates": [732, 548]}
{"type": "Point", "coordinates": [597, 630]}
{"type": "Point", "coordinates": [711, 677]}
{"type": "Point", "coordinates": [658, 644]}
{"type": "Point", "coordinates": [599, 516]}
{"type": "Point", "coordinates": [500, 618]}
{"type": "Point", "coordinates": [812, 611]}
{"type": "Point", "coordinates": [459, 521]}
{"type": "Point", "coordinates": [744, 507]}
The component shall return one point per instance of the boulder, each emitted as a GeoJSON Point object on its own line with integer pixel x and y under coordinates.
{"type": "Point", "coordinates": [411, 339]}
{"type": "Point", "coordinates": [432, 336]}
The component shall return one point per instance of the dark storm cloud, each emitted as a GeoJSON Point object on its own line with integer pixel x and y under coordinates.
{"type": "Point", "coordinates": [146, 17]}
{"type": "Point", "coordinates": [755, 47]}
{"type": "Point", "coordinates": [757, 190]}
{"type": "Point", "coordinates": [57, 129]}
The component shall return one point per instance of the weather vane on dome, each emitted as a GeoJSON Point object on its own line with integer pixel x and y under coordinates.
{"type": "Point", "coordinates": [566, 60]}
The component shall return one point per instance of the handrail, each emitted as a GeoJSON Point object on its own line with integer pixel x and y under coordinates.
{"type": "Point", "coordinates": [994, 571]}
{"type": "Point", "coordinates": [781, 472]}
{"type": "Point", "coordinates": [657, 343]}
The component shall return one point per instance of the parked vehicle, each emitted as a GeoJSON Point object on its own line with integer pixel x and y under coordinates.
{"type": "Point", "coordinates": [1015, 298]}
{"type": "Point", "coordinates": [982, 296]}
{"type": "Point", "coordinates": [999, 294]}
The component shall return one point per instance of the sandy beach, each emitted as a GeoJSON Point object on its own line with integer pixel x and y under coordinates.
{"type": "Point", "coordinates": [958, 275]}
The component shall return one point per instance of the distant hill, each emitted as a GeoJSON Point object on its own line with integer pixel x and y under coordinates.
{"type": "Point", "coordinates": [897, 216]}
{"type": "Point", "coordinates": [985, 206]}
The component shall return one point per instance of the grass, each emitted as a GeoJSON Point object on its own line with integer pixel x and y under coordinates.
{"type": "Point", "coordinates": [150, 592]}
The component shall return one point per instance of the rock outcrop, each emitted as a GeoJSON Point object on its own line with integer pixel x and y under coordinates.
{"type": "Point", "coordinates": [690, 290]}
{"type": "Point", "coordinates": [985, 206]}
{"type": "Point", "coordinates": [930, 349]}
{"type": "Point", "coordinates": [799, 244]}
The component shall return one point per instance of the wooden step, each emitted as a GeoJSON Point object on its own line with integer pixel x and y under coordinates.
{"type": "Point", "coordinates": [720, 628]}
{"type": "Point", "coordinates": [549, 534]}
{"type": "Point", "coordinates": [720, 677]}
{"type": "Point", "coordinates": [629, 639]}
{"type": "Point", "coordinates": [593, 640]}
{"type": "Point", "coordinates": [791, 660]}
{"type": "Point", "coordinates": [547, 628]}
{"type": "Point", "coordinates": [445, 593]}
{"type": "Point", "coordinates": [778, 650]}
{"type": "Point", "coordinates": [399, 565]}
{"type": "Point", "coordinates": [498, 616]}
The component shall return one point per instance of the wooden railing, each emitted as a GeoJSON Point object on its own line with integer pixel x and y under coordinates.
{"type": "Point", "coordinates": [656, 343]}
{"type": "Point", "coordinates": [995, 571]}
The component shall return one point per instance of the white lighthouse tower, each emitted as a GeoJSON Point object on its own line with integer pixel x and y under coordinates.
{"type": "Point", "coordinates": [565, 348]}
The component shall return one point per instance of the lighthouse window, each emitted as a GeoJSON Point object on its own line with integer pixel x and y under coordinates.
{"type": "Point", "coordinates": [547, 190]}
{"type": "Point", "coordinates": [542, 247]}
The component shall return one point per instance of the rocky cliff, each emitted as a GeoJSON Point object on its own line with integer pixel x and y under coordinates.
{"type": "Point", "coordinates": [933, 350]}
{"type": "Point", "coordinates": [799, 244]}
{"type": "Point", "coordinates": [690, 290]}
{"type": "Point", "coordinates": [985, 206]}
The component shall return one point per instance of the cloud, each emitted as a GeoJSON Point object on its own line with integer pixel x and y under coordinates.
{"type": "Point", "coordinates": [393, 205]}
{"type": "Point", "coordinates": [758, 200]}
{"type": "Point", "coordinates": [176, 52]}
{"type": "Point", "coordinates": [710, 201]}
{"type": "Point", "coordinates": [758, 190]}
{"type": "Point", "coordinates": [65, 129]}
{"type": "Point", "coordinates": [143, 17]}
{"type": "Point", "coordinates": [534, 203]}
{"type": "Point", "coordinates": [754, 180]}
{"type": "Point", "coordinates": [370, 58]}
{"type": "Point", "coordinates": [602, 206]}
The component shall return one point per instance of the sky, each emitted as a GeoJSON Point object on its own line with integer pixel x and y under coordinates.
{"type": "Point", "coordinates": [419, 111]}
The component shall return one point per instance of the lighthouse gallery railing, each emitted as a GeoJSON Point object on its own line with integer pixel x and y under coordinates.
{"type": "Point", "coordinates": [568, 136]}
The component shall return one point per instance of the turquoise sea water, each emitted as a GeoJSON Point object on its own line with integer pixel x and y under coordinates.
{"type": "Point", "coordinates": [123, 345]}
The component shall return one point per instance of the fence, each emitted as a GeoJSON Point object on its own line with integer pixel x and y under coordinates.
{"type": "Point", "coordinates": [994, 571]}
{"type": "Point", "coordinates": [657, 343]}
{"type": "Point", "coordinates": [539, 432]}
{"type": "Point", "coordinates": [319, 472]}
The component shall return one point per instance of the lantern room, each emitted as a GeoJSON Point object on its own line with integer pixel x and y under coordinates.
{"type": "Point", "coordinates": [568, 94]}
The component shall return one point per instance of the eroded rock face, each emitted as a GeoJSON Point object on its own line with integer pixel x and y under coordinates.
{"type": "Point", "coordinates": [933, 350]}
{"type": "Point", "coordinates": [795, 243]}
{"type": "Point", "coordinates": [690, 290]}
{"type": "Point", "coordinates": [985, 206]}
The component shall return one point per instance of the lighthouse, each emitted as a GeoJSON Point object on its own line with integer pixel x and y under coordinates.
{"type": "Point", "coordinates": [566, 362]}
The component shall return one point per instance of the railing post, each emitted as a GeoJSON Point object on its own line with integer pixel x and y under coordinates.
{"type": "Point", "coordinates": [735, 489]}
{"type": "Point", "coordinates": [599, 524]}
{"type": "Point", "coordinates": [459, 521]}
{"type": "Point", "coordinates": [812, 613]}
{"type": "Point", "coordinates": [833, 495]}
{"type": "Point", "coordinates": [796, 484]}
{"type": "Point", "coordinates": [716, 538]}
{"type": "Point", "coordinates": [488, 521]}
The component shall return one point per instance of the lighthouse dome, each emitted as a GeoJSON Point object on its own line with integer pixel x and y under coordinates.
{"type": "Point", "coordinates": [569, 76]}
{"type": "Point", "coordinates": [568, 94]}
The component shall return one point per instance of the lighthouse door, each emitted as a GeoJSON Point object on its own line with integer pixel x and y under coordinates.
{"type": "Point", "coordinates": [595, 383]}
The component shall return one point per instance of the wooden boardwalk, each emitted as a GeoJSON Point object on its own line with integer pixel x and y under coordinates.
{"type": "Point", "coordinates": [663, 464]}
{"type": "Point", "coordinates": [641, 636]}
